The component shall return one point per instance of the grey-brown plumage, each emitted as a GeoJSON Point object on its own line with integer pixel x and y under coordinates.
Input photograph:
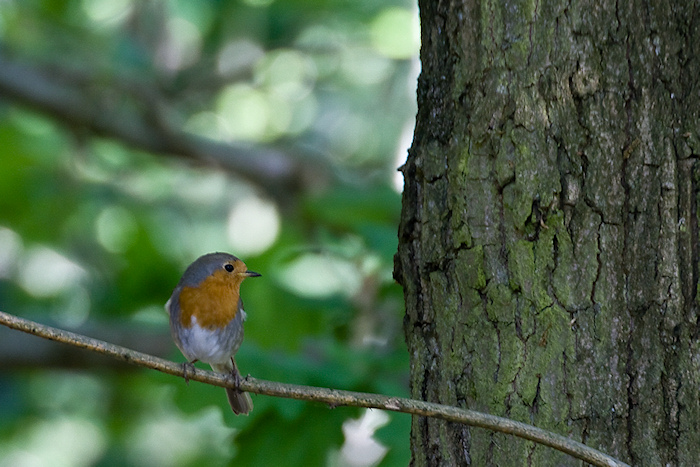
{"type": "Point", "coordinates": [206, 317]}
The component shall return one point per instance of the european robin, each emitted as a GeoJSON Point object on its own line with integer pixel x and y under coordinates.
{"type": "Point", "coordinates": [206, 317]}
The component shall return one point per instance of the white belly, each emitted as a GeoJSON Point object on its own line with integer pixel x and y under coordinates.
{"type": "Point", "coordinates": [208, 346]}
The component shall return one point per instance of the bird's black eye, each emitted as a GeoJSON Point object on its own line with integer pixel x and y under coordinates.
{"type": "Point", "coordinates": [228, 267]}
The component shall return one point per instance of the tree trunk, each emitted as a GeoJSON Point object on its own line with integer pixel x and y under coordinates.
{"type": "Point", "coordinates": [548, 246]}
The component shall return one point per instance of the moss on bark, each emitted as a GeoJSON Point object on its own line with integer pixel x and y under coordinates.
{"type": "Point", "coordinates": [549, 241]}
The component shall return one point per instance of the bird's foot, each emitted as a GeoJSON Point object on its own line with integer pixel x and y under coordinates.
{"type": "Point", "coordinates": [187, 367]}
{"type": "Point", "coordinates": [236, 379]}
{"type": "Point", "coordinates": [236, 375]}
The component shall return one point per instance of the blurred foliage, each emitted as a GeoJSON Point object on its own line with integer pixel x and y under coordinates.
{"type": "Point", "coordinates": [95, 235]}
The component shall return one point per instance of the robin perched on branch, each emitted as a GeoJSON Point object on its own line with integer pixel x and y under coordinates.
{"type": "Point", "coordinates": [206, 317]}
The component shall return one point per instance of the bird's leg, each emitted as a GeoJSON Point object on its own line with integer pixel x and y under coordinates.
{"type": "Point", "coordinates": [188, 366]}
{"type": "Point", "coordinates": [236, 375]}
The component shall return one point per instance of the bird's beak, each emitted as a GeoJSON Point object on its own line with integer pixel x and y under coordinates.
{"type": "Point", "coordinates": [251, 274]}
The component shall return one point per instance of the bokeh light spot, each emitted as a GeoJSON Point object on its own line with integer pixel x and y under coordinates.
{"type": "Point", "coordinates": [166, 439]}
{"type": "Point", "coordinates": [244, 112]}
{"type": "Point", "coordinates": [207, 124]}
{"type": "Point", "coordinates": [10, 251]}
{"type": "Point", "coordinates": [45, 272]}
{"type": "Point", "coordinates": [362, 67]}
{"type": "Point", "coordinates": [107, 12]}
{"type": "Point", "coordinates": [317, 275]}
{"type": "Point", "coordinates": [115, 229]}
{"type": "Point", "coordinates": [74, 308]}
{"type": "Point", "coordinates": [287, 73]}
{"type": "Point", "coordinates": [396, 33]}
{"type": "Point", "coordinates": [182, 45]}
{"type": "Point", "coordinates": [361, 449]}
{"type": "Point", "coordinates": [404, 144]}
{"type": "Point", "coordinates": [59, 442]}
{"type": "Point", "coordinates": [253, 225]}
{"type": "Point", "coordinates": [259, 3]}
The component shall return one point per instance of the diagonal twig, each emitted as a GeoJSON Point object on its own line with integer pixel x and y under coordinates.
{"type": "Point", "coordinates": [332, 397]}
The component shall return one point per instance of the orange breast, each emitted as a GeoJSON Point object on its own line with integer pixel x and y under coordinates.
{"type": "Point", "coordinates": [214, 302]}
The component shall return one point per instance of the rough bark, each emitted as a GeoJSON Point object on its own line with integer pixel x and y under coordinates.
{"type": "Point", "coordinates": [548, 246]}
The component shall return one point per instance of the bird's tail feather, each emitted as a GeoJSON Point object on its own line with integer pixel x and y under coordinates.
{"type": "Point", "coordinates": [240, 401]}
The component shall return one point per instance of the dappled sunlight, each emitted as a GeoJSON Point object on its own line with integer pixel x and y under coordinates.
{"type": "Point", "coordinates": [110, 13]}
{"type": "Point", "coordinates": [253, 225]}
{"type": "Point", "coordinates": [402, 154]}
{"type": "Point", "coordinates": [352, 137]}
{"type": "Point", "coordinates": [396, 33]}
{"type": "Point", "coordinates": [204, 188]}
{"type": "Point", "coordinates": [45, 272]}
{"type": "Point", "coordinates": [10, 251]}
{"type": "Point", "coordinates": [327, 43]}
{"type": "Point", "coordinates": [181, 46]}
{"type": "Point", "coordinates": [244, 111]}
{"type": "Point", "coordinates": [167, 438]}
{"type": "Point", "coordinates": [264, 128]}
{"type": "Point", "coordinates": [320, 275]}
{"type": "Point", "coordinates": [361, 67]}
{"type": "Point", "coordinates": [106, 158]}
{"type": "Point", "coordinates": [64, 441]}
{"type": "Point", "coordinates": [56, 392]}
{"type": "Point", "coordinates": [289, 74]}
{"type": "Point", "coordinates": [74, 307]}
{"type": "Point", "coordinates": [278, 99]}
{"type": "Point", "coordinates": [66, 433]}
{"type": "Point", "coordinates": [360, 448]}
{"type": "Point", "coordinates": [207, 124]}
{"type": "Point", "coordinates": [115, 228]}
{"type": "Point", "coordinates": [258, 3]}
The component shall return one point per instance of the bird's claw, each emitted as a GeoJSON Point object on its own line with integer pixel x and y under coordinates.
{"type": "Point", "coordinates": [187, 367]}
{"type": "Point", "coordinates": [236, 378]}
{"type": "Point", "coordinates": [236, 375]}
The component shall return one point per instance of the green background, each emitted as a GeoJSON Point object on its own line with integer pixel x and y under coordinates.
{"type": "Point", "coordinates": [94, 234]}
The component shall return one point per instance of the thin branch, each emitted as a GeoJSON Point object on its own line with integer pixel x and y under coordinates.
{"type": "Point", "coordinates": [332, 397]}
{"type": "Point", "coordinates": [139, 120]}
